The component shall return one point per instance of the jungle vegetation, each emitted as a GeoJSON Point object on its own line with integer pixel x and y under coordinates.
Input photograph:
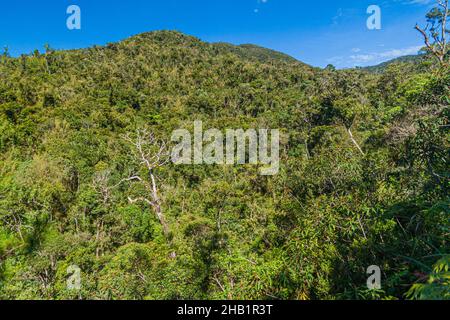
{"type": "Point", "coordinates": [364, 175]}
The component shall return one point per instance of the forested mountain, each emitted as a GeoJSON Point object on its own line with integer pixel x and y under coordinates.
{"type": "Point", "coordinates": [413, 60]}
{"type": "Point", "coordinates": [250, 51]}
{"type": "Point", "coordinates": [363, 176]}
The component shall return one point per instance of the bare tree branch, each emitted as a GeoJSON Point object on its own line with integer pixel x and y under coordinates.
{"type": "Point", "coordinates": [152, 154]}
{"type": "Point", "coordinates": [440, 44]}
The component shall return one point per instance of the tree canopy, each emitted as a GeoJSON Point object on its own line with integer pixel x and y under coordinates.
{"type": "Point", "coordinates": [363, 176]}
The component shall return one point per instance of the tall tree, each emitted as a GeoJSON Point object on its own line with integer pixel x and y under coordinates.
{"type": "Point", "coordinates": [151, 154]}
{"type": "Point", "coordinates": [436, 32]}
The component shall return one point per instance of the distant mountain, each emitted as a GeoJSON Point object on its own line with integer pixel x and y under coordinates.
{"type": "Point", "coordinates": [411, 59]}
{"type": "Point", "coordinates": [251, 51]}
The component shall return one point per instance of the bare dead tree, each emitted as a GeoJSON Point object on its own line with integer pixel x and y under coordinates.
{"type": "Point", "coordinates": [436, 32]}
{"type": "Point", "coordinates": [14, 222]}
{"type": "Point", "coordinates": [100, 183]}
{"type": "Point", "coordinates": [353, 140]}
{"type": "Point", "coordinates": [151, 154]}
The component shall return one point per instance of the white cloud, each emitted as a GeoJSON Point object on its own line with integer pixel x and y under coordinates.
{"type": "Point", "coordinates": [383, 56]}
{"type": "Point", "coordinates": [418, 1]}
{"type": "Point", "coordinates": [360, 58]}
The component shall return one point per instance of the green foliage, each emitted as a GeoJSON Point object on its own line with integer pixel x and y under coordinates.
{"type": "Point", "coordinates": [308, 233]}
{"type": "Point", "coordinates": [437, 286]}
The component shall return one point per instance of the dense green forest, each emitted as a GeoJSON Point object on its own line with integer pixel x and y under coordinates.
{"type": "Point", "coordinates": [363, 178]}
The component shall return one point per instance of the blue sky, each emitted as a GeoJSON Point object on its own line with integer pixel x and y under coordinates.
{"type": "Point", "coordinates": [316, 32]}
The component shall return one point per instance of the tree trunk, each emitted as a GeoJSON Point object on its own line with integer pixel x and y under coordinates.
{"type": "Point", "coordinates": [355, 142]}
{"type": "Point", "coordinates": [157, 206]}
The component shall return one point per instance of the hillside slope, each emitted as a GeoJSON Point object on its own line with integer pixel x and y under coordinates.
{"type": "Point", "coordinates": [250, 51]}
{"type": "Point", "coordinates": [358, 183]}
{"type": "Point", "coordinates": [411, 60]}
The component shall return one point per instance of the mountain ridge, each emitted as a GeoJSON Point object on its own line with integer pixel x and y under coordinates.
{"type": "Point", "coordinates": [247, 51]}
